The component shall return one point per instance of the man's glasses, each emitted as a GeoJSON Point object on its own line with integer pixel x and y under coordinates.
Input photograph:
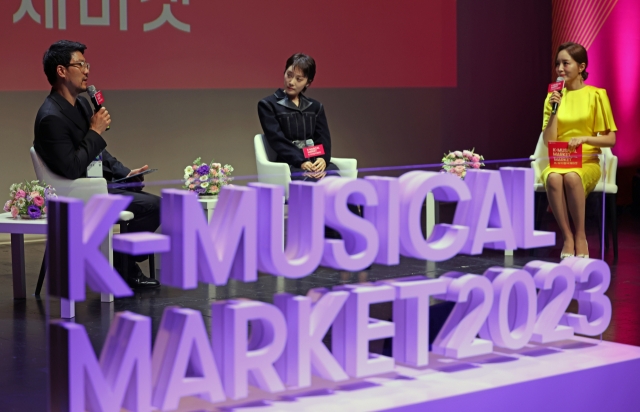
{"type": "Point", "coordinates": [80, 65]}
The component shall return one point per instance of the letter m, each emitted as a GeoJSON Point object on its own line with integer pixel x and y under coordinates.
{"type": "Point", "coordinates": [209, 252]}
{"type": "Point", "coordinates": [122, 378]}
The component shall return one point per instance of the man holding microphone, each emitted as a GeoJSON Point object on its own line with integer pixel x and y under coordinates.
{"type": "Point", "coordinates": [69, 136]}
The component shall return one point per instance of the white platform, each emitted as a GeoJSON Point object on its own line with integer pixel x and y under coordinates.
{"type": "Point", "coordinates": [577, 375]}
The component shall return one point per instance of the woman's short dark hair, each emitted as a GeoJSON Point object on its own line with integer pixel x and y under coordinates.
{"type": "Point", "coordinates": [303, 62]}
{"type": "Point", "coordinates": [59, 54]}
{"type": "Point", "coordinates": [577, 53]}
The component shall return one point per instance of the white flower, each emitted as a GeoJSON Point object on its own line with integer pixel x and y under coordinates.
{"type": "Point", "coordinates": [204, 185]}
{"type": "Point", "coordinates": [188, 170]}
{"type": "Point", "coordinates": [186, 176]}
{"type": "Point", "coordinates": [203, 178]}
{"type": "Point", "coordinates": [21, 202]}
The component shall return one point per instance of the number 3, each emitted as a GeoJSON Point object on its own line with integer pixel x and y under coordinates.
{"type": "Point", "coordinates": [594, 307]}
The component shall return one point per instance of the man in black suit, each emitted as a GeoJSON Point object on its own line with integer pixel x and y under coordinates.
{"type": "Point", "coordinates": [69, 136]}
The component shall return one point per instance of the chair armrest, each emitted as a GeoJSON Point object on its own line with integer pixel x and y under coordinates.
{"type": "Point", "coordinates": [82, 188]}
{"type": "Point", "coordinates": [536, 172]}
{"type": "Point", "coordinates": [348, 167]}
{"type": "Point", "coordinates": [612, 170]}
{"type": "Point", "coordinates": [88, 181]}
{"type": "Point", "coordinates": [273, 172]}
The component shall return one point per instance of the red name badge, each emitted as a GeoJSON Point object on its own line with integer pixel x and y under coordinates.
{"type": "Point", "coordinates": [99, 98]}
{"type": "Point", "coordinates": [556, 87]}
{"type": "Point", "coordinates": [560, 158]}
{"type": "Point", "coordinates": [313, 151]}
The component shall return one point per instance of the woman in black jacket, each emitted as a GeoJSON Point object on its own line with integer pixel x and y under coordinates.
{"type": "Point", "coordinates": [289, 119]}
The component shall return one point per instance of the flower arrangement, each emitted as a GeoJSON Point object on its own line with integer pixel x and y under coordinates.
{"type": "Point", "coordinates": [459, 161]}
{"type": "Point", "coordinates": [28, 199]}
{"type": "Point", "coordinates": [206, 179]}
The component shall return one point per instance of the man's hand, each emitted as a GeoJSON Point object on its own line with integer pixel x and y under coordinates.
{"type": "Point", "coordinates": [137, 178]}
{"type": "Point", "coordinates": [100, 121]}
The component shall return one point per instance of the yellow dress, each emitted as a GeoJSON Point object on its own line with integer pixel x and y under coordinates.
{"type": "Point", "coordinates": [583, 112]}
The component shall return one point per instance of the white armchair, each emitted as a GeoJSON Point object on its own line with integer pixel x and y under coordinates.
{"type": "Point", "coordinates": [607, 184]}
{"type": "Point", "coordinates": [270, 171]}
{"type": "Point", "coordinates": [82, 188]}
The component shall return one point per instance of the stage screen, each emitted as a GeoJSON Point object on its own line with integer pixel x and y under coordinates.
{"type": "Point", "coordinates": [234, 44]}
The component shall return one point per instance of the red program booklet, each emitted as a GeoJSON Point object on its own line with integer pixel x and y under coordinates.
{"type": "Point", "coordinates": [560, 158]}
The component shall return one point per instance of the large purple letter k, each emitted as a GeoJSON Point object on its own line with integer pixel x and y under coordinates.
{"type": "Point", "coordinates": [74, 235]}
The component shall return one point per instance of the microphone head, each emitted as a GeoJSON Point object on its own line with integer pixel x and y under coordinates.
{"type": "Point", "coordinates": [309, 142]}
{"type": "Point", "coordinates": [559, 79]}
{"type": "Point", "coordinates": [91, 90]}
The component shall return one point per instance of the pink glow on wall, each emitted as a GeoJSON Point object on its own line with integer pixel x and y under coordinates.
{"type": "Point", "coordinates": [614, 64]}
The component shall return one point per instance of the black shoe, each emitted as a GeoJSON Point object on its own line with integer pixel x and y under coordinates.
{"type": "Point", "coordinates": [140, 281]}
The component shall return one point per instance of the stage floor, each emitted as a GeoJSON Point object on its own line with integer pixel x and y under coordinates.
{"type": "Point", "coordinates": [23, 361]}
{"type": "Point", "coordinates": [573, 375]}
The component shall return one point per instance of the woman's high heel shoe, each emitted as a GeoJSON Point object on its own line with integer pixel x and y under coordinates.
{"type": "Point", "coordinates": [585, 256]}
{"type": "Point", "coordinates": [566, 255]}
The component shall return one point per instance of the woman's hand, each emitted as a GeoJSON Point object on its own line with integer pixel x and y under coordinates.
{"type": "Point", "coordinates": [315, 169]}
{"type": "Point", "coordinates": [319, 165]}
{"type": "Point", "coordinates": [556, 97]}
{"type": "Point", "coordinates": [575, 142]}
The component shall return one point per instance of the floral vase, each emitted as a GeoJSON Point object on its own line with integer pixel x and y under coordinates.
{"type": "Point", "coordinates": [27, 217]}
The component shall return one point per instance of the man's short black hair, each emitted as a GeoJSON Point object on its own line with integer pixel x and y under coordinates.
{"type": "Point", "coordinates": [303, 62]}
{"type": "Point", "coordinates": [59, 54]}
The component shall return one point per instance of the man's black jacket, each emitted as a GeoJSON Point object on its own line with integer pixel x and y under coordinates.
{"type": "Point", "coordinates": [65, 142]}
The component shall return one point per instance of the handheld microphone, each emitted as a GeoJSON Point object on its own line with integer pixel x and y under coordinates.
{"type": "Point", "coordinates": [96, 98]}
{"type": "Point", "coordinates": [311, 150]}
{"type": "Point", "coordinates": [556, 87]}
{"type": "Point", "coordinates": [310, 143]}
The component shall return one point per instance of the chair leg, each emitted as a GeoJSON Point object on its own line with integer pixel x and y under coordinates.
{"type": "Point", "coordinates": [599, 219]}
{"type": "Point", "coordinates": [152, 266]}
{"type": "Point", "coordinates": [607, 222]}
{"type": "Point", "coordinates": [538, 209]}
{"type": "Point", "coordinates": [613, 218]}
{"type": "Point", "coordinates": [43, 271]}
{"type": "Point", "coordinates": [540, 205]}
{"type": "Point", "coordinates": [124, 257]}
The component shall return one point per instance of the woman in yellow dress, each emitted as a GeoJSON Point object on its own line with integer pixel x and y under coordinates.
{"type": "Point", "coordinates": [583, 118]}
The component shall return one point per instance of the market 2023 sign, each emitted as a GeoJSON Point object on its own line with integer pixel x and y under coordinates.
{"type": "Point", "coordinates": [506, 307]}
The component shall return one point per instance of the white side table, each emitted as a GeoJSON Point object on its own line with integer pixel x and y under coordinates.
{"type": "Point", "coordinates": [18, 228]}
{"type": "Point", "coordinates": [208, 204]}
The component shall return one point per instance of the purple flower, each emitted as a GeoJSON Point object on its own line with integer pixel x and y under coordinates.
{"type": "Point", "coordinates": [200, 190]}
{"type": "Point", "coordinates": [34, 211]}
{"type": "Point", "coordinates": [203, 170]}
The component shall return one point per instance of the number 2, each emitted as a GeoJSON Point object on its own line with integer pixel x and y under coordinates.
{"type": "Point", "coordinates": [473, 295]}
{"type": "Point", "coordinates": [556, 284]}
